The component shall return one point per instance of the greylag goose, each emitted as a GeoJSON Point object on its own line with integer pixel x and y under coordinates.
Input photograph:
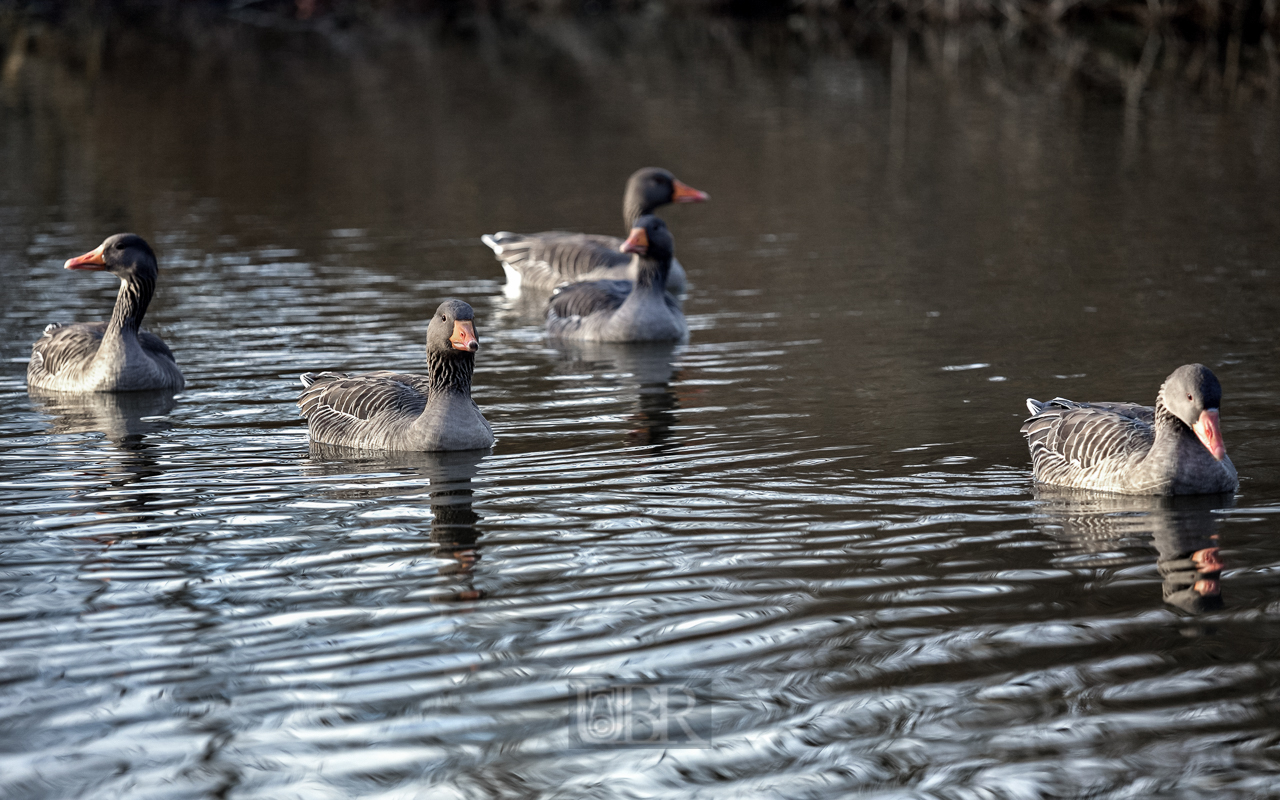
{"type": "Point", "coordinates": [114, 356]}
{"type": "Point", "coordinates": [392, 411]}
{"type": "Point", "coordinates": [1174, 448]}
{"type": "Point", "coordinates": [634, 310]}
{"type": "Point", "coordinates": [547, 260]}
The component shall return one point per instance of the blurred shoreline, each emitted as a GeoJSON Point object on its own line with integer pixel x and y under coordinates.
{"type": "Point", "coordinates": [1222, 53]}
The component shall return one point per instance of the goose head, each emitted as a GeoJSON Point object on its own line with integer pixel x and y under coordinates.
{"type": "Point", "coordinates": [652, 187]}
{"type": "Point", "coordinates": [1192, 394]}
{"type": "Point", "coordinates": [125, 255]}
{"type": "Point", "coordinates": [452, 329]}
{"type": "Point", "coordinates": [650, 239]}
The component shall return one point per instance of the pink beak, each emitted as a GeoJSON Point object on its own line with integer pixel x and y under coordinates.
{"type": "Point", "coordinates": [637, 242]}
{"type": "Point", "coordinates": [684, 193]}
{"type": "Point", "coordinates": [1210, 434]}
{"type": "Point", "coordinates": [464, 336]}
{"type": "Point", "coordinates": [90, 260]}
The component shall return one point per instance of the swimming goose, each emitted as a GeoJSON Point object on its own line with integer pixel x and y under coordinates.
{"type": "Point", "coordinates": [1174, 448]}
{"type": "Point", "coordinates": [114, 356]}
{"type": "Point", "coordinates": [634, 310]}
{"type": "Point", "coordinates": [547, 260]}
{"type": "Point", "coordinates": [393, 411]}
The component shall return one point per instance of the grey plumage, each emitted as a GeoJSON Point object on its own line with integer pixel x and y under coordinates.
{"type": "Point", "coordinates": [544, 261]}
{"type": "Point", "coordinates": [549, 259]}
{"type": "Point", "coordinates": [1133, 449]}
{"type": "Point", "coordinates": [395, 411]}
{"type": "Point", "coordinates": [636, 310]}
{"type": "Point", "coordinates": [114, 356]}
{"type": "Point", "coordinates": [584, 299]}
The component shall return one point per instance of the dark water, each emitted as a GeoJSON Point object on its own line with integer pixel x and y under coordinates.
{"type": "Point", "coordinates": [812, 526]}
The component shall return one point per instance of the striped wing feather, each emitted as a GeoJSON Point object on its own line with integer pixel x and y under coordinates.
{"type": "Point", "coordinates": [334, 402]}
{"type": "Point", "coordinates": [1068, 439]}
{"type": "Point", "coordinates": [1141, 413]}
{"type": "Point", "coordinates": [585, 299]}
{"type": "Point", "coordinates": [549, 259]}
{"type": "Point", "coordinates": [74, 346]}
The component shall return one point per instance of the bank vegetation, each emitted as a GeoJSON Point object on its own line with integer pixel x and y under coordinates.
{"type": "Point", "coordinates": [1221, 51]}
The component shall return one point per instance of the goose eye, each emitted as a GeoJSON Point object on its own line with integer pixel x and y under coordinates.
{"type": "Point", "coordinates": [119, 245]}
{"type": "Point", "coordinates": [1190, 398]}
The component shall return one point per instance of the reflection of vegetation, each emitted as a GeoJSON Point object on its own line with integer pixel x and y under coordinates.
{"type": "Point", "coordinates": [1224, 48]}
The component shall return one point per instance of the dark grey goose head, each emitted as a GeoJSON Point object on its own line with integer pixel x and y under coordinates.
{"type": "Point", "coordinates": [125, 255]}
{"type": "Point", "coordinates": [453, 330]}
{"type": "Point", "coordinates": [653, 187]}
{"type": "Point", "coordinates": [1192, 394]}
{"type": "Point", "coordinates": [653, 247]}
{"type": "Point", "coordinates": [650, 239]}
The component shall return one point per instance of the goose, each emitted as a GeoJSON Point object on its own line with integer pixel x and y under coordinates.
{"type": "Point", "coordinates": [1174, 448]}
{"type": "Point", "coordinates": [634, 310]}
{"type": "Point", "coordinates": [546, 260]}
{"type": "Point", "coordinates": [114, 356]}
{"type": "Point", "coordinates": [392, 411]}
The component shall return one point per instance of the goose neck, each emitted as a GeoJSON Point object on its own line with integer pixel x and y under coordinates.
{"type": "Point", "coordinates": [450, 371]}
{"type": "Point", "coordinates": [651, 273]}
{"type": "Point", "coordinates": [131, 305]}
{"type": "Point", "coordinates": [635, 206]}
{"type": "Point", "coordinates": [1167, 424]}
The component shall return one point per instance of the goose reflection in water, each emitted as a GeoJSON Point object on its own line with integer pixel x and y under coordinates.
{"type": "Point", "coordinates": [1183, 531]}
{"type": "Point", "coordinates": [449, 491]}
{"type": "Point", "coordinates": [648, 369]}
{"type": "Point", "coordinates": [127, 512]}
{"type": "Point", "coordinates": [525, 310]}
{"type": "Point", "coordinates": [126, 419]}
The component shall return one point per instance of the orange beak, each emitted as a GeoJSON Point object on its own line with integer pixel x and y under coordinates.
{"type": "Point", "coordinates": [91, 260]}
{"type": "Point", "coordinates": [1206, 587]}
{"type": "Point", "coordinates": [1207, 560]}
{"type": "Point", "coordinates": [685, 193]}
{"type": "Point", "coordinates": [637, 242]}
{"type": "Point", "coordinates": [1210, 434]}
{"type": "Point", "coordinates": [464, 336]}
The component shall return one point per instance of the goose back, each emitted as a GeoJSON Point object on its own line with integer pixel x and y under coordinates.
{"type": "Point", "coordinates": [1086, 446]}
{"type": "Point", "coordinates": [615, 311]}
{"type": "Point", "coordinates": [64, 358]}
{"type": "Point", "coordinates": [545, 261]}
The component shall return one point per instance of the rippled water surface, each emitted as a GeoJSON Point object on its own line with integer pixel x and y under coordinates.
{"type": "Point", "coordinates": [810, 531]}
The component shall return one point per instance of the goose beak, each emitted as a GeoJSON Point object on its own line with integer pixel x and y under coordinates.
{"type": "Point", "coordinates": [1207, 560]}
{"type": "Point", "coordinates": [1210, 434]}
{"type": "Point", "coordinates": [1206, 587]}
{"type": "Point", "coordinates": [91, 260]}
{"type": "Point", "coordinates": [464, 336]}
{"type": "Point", "coordinates": [685, 193]}
{"type": "Point", "coordinates": [637, 242]}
